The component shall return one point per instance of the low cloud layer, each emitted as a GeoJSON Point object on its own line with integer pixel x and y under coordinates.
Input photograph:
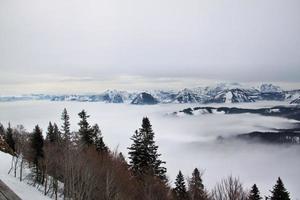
{"type": "Point", "coordinates": [185, 142]}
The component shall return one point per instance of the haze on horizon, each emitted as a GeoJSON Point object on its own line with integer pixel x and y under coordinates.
{"type": "Point", "coordinates": [88, 46]}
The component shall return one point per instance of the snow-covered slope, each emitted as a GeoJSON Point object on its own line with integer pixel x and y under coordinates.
{"type": "Point", "coordinates": [163, 96]}
{"type": "Point", "coordinates": [23, 190]}
{"type": "Point", "coordinates": [144, 99]}
{"type": "Point", "coordinates": [115, 96]}
{"type": "Point", "coordinates": [271, 92]}
{"type": "Point", "coordinates": [296, 101]}
{"type": "Point", "coordinates": [232, 96]}
{"type": "Point", "coordinates": [186, 96]}
{"type": "Point", "coordinates": [269, 88]}
{"type": "Point", "coordinates": [292, 95]}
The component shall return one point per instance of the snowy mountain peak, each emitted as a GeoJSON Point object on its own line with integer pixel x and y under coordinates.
{"type": "Point", "coordinates": [144, 99]}
{"type": "Point", "coordinates": [186, 96]}
{"type": "Point", "coordinates": [232, 96]}
{"type": "Point", "coordinates": [269, 88]}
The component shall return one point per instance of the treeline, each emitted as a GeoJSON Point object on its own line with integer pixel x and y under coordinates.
{"type": "Point", "coordinates": [78, 165]}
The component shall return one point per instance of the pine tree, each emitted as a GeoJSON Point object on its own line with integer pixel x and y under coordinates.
{"type": "Point", "coordinates": [180, 191]}
{"type": "Point", "coordinates": [2, 131]}
{"type": "Point", "coordinates": [196, 187]}
{"type": "Point", "coordinates": [50, 133]}
{"type": "Point", "coordinates": [143, 155]}
{"type": "Point", "coordinates": [122, 158]}
{"type": "Point", "coordinates": [37, 143]}
{"type": "Point", "coordinates": [85, 130]}
{"type": "Point", "coordinates": [279, 192]}
{"type": "Point", "coordinates": [57, 133]}
{"type": "Point", "coordinates": [66, 125]}
{"type": "Point", "coordinates": [98, 139]}
{"type": "Point", "coordinates": [135, 154]}
{"type": "Point", "coordinates": [9, 138]}
{"type": "Point", "coordinates": [254, 193]}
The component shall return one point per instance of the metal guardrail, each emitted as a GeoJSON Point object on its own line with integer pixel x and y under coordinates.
{"type": "Point", "coordinates": [6, 193]}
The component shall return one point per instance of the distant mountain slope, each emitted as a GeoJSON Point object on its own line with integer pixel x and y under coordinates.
{"type": "Point", "coordinates": [144, 99]}
{"type": "Point", "coordinates": [232, 96]}
{"type": "Point", "coordinates": [218, 93]}
{"type": "Point", "coordinates": [291, 112]}
{"type": "Point", "coordinates": [287, 136]}
{"type": "Point", "coordinates": [186, 96]}
{"type": "Point", "coordinates": [271, 92]}
{"type": "Point", "coordinates": [296, 101]}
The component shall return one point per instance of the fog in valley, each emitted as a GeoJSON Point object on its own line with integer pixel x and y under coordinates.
{"type": "Point", "coordinates": [185, 142]}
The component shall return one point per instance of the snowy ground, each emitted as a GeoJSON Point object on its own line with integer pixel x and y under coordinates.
{"type": "Point", "coordinates": [22, 189]}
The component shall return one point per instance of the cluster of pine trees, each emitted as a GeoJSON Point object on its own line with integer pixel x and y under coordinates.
{"type": "Point", "coordinates": [79, 166]}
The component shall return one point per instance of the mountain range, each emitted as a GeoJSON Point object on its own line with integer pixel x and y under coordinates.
{"type": "Point", "coordinates": [219, 93]}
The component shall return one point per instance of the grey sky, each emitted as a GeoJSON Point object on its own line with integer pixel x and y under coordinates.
{"type": "Point", "coordinates": [89, 45]}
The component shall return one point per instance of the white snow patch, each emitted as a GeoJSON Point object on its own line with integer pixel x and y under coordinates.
{"type": "Point", "coordinates": [228, 97]}
{"type": "Point", "coordinates": [23, 190]}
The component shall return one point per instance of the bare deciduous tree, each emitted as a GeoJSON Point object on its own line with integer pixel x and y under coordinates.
{"type": "Point", "coordinates": [229, 189]}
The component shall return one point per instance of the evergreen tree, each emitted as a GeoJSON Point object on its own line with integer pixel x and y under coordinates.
{"type": "Point", "coordinates": [2, 130]}
{"type": "Point", "coordinates": [9, 138]}
{"type": "Point", "coordinates": [279, 192]}
{"type": "Point", "coordinates": [254, 193]}
{"type": "Point", "coordinates": [196, 187]}
{"type": "Point", "coordinates": [50, 133]}
{"type": "Point", "coordinates": [122, 158]}
{"type": "Point", "coordinates": [98, 139]}
{"type": "Point", "coordinates": [85, 130]}
{"type": "Point", "coordinates": [135, 154]}
{"type": "Point", "coordinates": [143, 155]}
{"type": "Point", "coordinates": [66, 125]}
{"type": "Point", "coordinates": [37, 143]}
{"type": "Point", "coordinates": [180, 191]}
{"type": "Point", "coordinates": [56, 133]}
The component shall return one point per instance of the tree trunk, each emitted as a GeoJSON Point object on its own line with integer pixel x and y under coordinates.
{"type": "Point", "coordinates": [21, 169]}
{"type": "Point", "coordinates": [46, 182]}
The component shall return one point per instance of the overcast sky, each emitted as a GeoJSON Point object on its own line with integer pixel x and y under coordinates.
{"type": "Point", "coordinates": [60, 46]}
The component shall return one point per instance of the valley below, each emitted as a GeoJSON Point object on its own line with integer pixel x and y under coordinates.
{"type": "Point", "coordinates": [186, 141]}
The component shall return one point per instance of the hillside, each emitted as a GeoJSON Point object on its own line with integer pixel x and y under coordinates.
{"type": "Point", "coordinates": [23, 190]}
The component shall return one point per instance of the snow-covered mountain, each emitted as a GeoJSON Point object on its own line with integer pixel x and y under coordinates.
{"type": "Point", "coordinates": [116, 96]}
{"type": "Point", "coordinates": [271, 92]}
{"type": "Point", "coordinates": [186, 96]}
{"type": "Point", "coordinates": [269, 88]}
{"type": "Point", "coordinates": [218, 93]}
{"type": "Point", "coordinates": [292, 95]}
{"type": "Point", "coordinates": [144, 99]}
{"type": "Point", "coordinates": [232, 96]}
{"type": "Point", "coordinates": [163, 96]}
{"type": "Point", "coordinates": [296, 101]}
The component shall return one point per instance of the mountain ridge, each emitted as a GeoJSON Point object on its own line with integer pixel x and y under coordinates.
{"type": "Point", "coordinates": [218, 93]}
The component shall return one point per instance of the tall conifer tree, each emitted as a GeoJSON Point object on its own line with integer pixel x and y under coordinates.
{"type": "Point", "coordinates": [50, 133]}
{"type": "Point", "coordinates": [9, 138]}
{"type": "Point", "coordinates": [65, 128]}
{"type": "Point", "coordinates": [196, 187]}
{"type": "Point", "coordinates": [254, 193]}
{"type": "Point", "coordinates": [143, 155]}
{"type": "Point", "coordinates": [2, 131]}
{"type": "Point", "coordinates": [85, 130]}
{"type": "Point", "coordinates": [180, 191]}
{"type": "Point", "coordinates": [279, 192]}
{"type": "Point", "coordinates": [98, 139]}
{"type": "Point", "coordinates": [37, 143]}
